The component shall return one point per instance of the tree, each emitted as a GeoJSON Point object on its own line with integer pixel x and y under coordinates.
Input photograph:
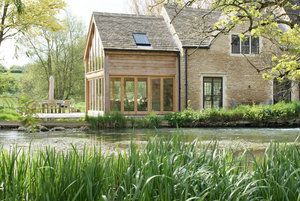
{"type": "Point", "coordinates": [59, 54]}
{"type": "Point", "coordinates": [8, 84]}
{"type": "Point", "coordinates": [21, 16]}
{"type": "Point", "coordinates": [16, 69]}
{"type": "Point", "coordinates": [2, 69]}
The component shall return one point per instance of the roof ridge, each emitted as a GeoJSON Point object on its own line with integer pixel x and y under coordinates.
{"type": "Point", "coordinates": [126, 15]}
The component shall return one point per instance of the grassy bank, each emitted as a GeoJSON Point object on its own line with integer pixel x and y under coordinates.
{"type": "Point", "coordinates": [257, 115]}
{"type": "Point", "coordinates": [165, 170]}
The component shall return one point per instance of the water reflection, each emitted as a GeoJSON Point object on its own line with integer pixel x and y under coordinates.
{"type": "Point", "coordinates": [122, 138]}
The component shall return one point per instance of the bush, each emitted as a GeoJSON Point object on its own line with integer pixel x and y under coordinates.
{"type": "Point", "coordinates": [9, 115]}
{"type": "Point", "coordinates": [110, 120]}
{"type": "Point", "coordinates": [256, 113]}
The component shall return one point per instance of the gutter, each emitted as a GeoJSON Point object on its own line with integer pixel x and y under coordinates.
{"type": "Point", "coordinates": [179, 81]}
{"type": "Point", "coordinates": [186, 77]}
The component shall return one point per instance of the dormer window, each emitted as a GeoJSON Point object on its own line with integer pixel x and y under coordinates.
{"type": "Point", "coordinates": [249, 45]}
{"type": "Point", "coordinates": [141, 39]}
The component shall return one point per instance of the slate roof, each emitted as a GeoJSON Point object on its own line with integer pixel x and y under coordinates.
{"type": "Point", "coordinates": [189, 24]}
{"type": "Point", "coordinates": [116, 31]}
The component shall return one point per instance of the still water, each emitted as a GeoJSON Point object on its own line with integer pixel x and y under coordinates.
{"type": "Point", "coordinates": [111, 140]}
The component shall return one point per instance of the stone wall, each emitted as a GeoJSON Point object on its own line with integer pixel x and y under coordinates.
{"type": "Point", "coordinates": [242, 84]}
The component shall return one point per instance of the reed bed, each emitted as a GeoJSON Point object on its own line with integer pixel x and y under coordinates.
{"type": "Point", "coordinates": [163, 170]}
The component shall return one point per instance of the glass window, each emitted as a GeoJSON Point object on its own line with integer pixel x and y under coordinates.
{"type": "Point", "coordinates": [129, 94]}
{"type": "Point", "coordinates": [142, 96]}
{"type": "Point", "coordinates": [155, 85]}
{"type": "Point", "coordinates": [168, 94]}
{"type": "Point", "coordinates": [141, 39]}
{"type": "Point", "coordinates": [212, 92]}
{"type": "Point", "coordinates": [239, 46]}
{"type": "Point", "coordinates": [245, 45]}
{"type": "Point", "coordinates": [235, 44]}
{"type": "Point", "coordinates": [115, 94]}
{"type": "Point", "coordinates": [254, 45]}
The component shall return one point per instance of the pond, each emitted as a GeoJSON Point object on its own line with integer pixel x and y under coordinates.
{"type": "Point", "coordinates": [112, 140]}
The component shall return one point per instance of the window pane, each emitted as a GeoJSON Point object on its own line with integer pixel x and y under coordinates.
{"type": "Point", "coordinates": [142, 96]}
{"type": "Point", "coordinates": [129, 94]}
{"type": "Point", "coordinates": [90, 94]}
{"type": "Point", "coordinates": [235, 44]}
{"type": "Point", "coordinates": [115, 94]}
{"type": "Point", "coordinates": [100, 95]}
{"type": "Point", "coordinates": [246, 45]}
{"type": "Point", "coordinates": [254, 45]}
{"type": "Point", "coordinates": [168, 94]}
{"type": "Point", "coordinates": [155, 85]}
{"type": "Point", "coordinates": [141, 39]}
{"type": "Point", "coordinates": [212, 92]}
{"type": "Point", "coordinates": [96, 95]}
{"type": "Point", "coordinates": [217, 86]}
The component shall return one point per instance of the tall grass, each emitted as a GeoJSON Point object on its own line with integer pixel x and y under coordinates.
{"type": "Point", "coordinates": [163, 170]}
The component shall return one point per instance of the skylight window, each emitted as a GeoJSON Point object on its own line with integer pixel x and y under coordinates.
{"type": "Point", "coordinates": [141, 39]}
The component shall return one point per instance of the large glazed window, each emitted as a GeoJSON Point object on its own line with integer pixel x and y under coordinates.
{"type": "Point", "coordinates": [141, 95]}
{"type": "Point", "coordinates": [213, 92]}
{"type": "Point", "coordinates": [94, 62]}
{"type": "Point", "coordinates": [115, 94]}
{"type": "Point", "coordinates": [95, 94]}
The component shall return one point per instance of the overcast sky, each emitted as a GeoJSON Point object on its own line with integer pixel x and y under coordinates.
{"type": "Point", "coordinates": [80, 8]}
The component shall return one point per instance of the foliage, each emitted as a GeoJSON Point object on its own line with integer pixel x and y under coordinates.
{"type": "Point", "coordinates": [8, 84]}
{"type": "Point", "coordinates": [257, 113]}
{"type": "Point", "coordinates": [27, 112]}
{"type": "Point", "coordinates": [58, 54]}
{"type": "Point", "coordinates": [117, 120]}
{"type": "Point", "coordinates": [2, 69]}
{"type": "Point", "coordinates": [164, 170]}
{"type": "Point", "coordinates": [110, 120]}
{"type": "Point", "coordinates": [22, 16]}
{"type": "Point", "coordinates": [16, 69]}
{"type": "Point", "coordinates": [9, 115]}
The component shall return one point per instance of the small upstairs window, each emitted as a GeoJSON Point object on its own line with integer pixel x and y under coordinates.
{"type": "Point", "coordinates": [141, 39]}
{"type": "Point", "coordinates": [250, 45]}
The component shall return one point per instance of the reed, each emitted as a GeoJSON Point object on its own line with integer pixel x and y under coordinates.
{"type": "Point", "coordinates": [162, 170]}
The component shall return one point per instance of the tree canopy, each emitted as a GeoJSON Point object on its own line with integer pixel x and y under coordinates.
{"type": "Point", "coordinates": [58, 54]}
{"type": "Point", "coordinates": [20, 16]}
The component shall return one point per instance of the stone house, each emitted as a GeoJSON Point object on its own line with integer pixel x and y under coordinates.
{"type": "Point", "coordinates": [139, 64]}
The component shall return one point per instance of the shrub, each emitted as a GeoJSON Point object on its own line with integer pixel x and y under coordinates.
{"type": "Point", "coordinates": [255, 113]}
{"type": "Point", "coordinates": [110, 120]}
{"type": "Point", "coordinates": [152, 120]}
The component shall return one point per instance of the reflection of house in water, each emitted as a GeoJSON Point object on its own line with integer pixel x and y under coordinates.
{"type": "Point", "coordinates": [138, 64]}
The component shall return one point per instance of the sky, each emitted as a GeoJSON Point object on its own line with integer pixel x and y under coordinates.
{"type": "Point", "coordinates": [82, 9]}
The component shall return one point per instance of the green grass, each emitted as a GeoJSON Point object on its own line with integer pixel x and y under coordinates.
{"type": "Point", "coordinates": [165, 170]}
